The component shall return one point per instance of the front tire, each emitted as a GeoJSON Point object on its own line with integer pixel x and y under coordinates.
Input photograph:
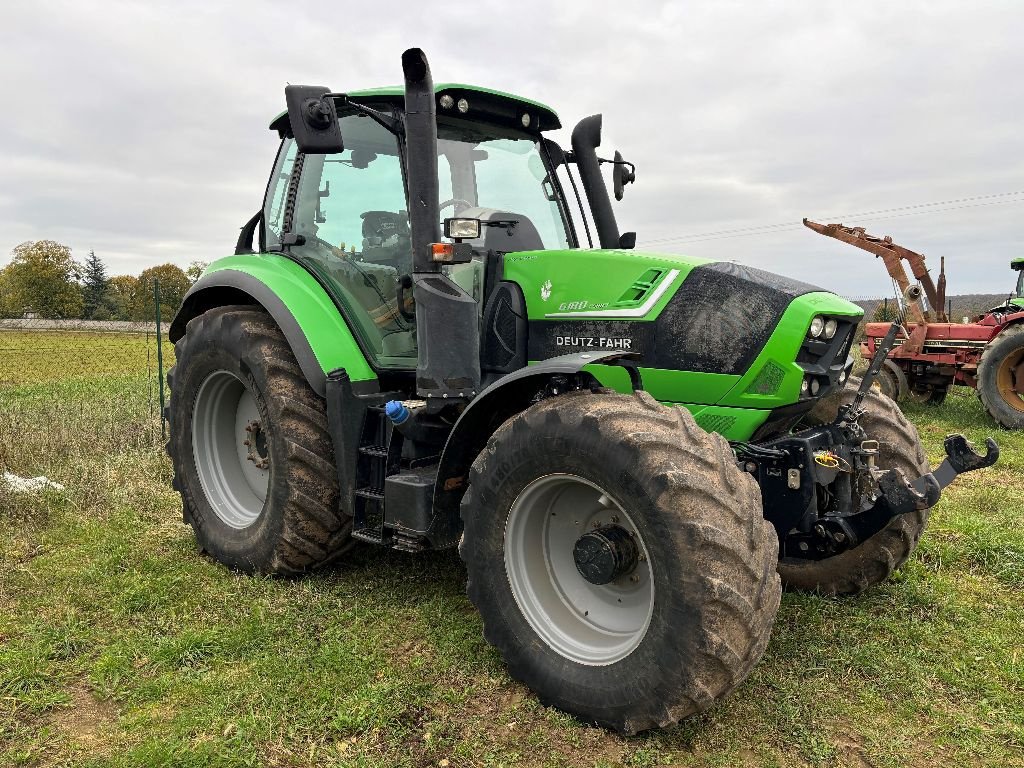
{"type": "Point", "coordinates": [252, 458]}
{"type": "Point", "coordinates": [875, 559]}
{"type": "Point", "coordinates": [660, 642]}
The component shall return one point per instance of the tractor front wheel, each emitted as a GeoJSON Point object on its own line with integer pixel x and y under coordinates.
{"type": "Point", "coordinates": [249, 444]}
{"type": "Point", "coordinates": [873, 560]}
{"type": "Point", "coordinates": [1001, 378]}
{"type": "Point", "coordinates": [619, 559]}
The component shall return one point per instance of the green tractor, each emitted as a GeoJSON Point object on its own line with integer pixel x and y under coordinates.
{"type": "Point", "coordinates": [628, 449]}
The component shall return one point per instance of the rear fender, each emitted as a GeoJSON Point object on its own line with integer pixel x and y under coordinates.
{"type": "Point", "coordinates": [316, 331]}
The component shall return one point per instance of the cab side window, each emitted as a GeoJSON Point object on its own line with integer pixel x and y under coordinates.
{"type": "Point", "coordinates": [350, 213]}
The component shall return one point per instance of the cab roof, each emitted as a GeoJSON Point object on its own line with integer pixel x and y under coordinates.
{"type": "Point", "coordinates": [483, 102]}
{"type": "Point", "coordinates": [1017, 263]}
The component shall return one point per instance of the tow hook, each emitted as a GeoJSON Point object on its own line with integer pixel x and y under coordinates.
{"type": "Point", "coordinates": [902, 496]}
{"type": "Point", "coordinates": [960, 457]}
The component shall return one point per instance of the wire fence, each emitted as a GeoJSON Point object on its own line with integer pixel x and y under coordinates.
{"type": "Point", "coordinates": [78, 385]}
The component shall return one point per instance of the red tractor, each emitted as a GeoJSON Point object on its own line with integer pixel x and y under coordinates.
{"type": "Point", "coordinates": [932, 353]}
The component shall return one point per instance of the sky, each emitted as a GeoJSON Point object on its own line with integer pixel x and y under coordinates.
{"type": "Point", "coordinates": [139, 129]}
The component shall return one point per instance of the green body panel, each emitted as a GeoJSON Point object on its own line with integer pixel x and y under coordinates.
{"type": "Point", "coordinates": [782, 348]}
{"type": "Point", "coordinates": [669, 386]}
{"type": "Point", "coordinates": [325, 329]}
{"type": "Point", "coordinates": [565, 284]}
{"type": "Point", "coordinates": [558, 283]}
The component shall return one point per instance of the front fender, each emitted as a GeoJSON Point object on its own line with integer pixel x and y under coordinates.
{"type": "Point", "coordinates": [316, 331]}
{"type": "Point", "coordinates": [503, 399]}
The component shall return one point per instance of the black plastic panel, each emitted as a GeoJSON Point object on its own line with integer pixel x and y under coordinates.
{"type": "Point", "coordinates": [721, 318]}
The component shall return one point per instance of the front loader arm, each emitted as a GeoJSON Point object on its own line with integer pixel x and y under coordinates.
{"type": "Point", "coordinates": [891, 255]}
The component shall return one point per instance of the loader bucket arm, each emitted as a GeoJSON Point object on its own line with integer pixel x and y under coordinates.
{"type": "Point", "coordinates": [891, 255]}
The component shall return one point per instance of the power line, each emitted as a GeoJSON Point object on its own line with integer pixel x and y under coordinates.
{"type": "Point", "coordinates": [789, 225]}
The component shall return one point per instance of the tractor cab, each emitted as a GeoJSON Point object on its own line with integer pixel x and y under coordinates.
{"type": "Point", "coordinates": [348, 213]}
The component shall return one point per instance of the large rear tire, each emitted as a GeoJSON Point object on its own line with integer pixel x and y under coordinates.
{"type": "Point", "coordinates": [660, 642]}
{"type": "Point", "coordinates": [252, 458]}
{"type": "Point", "coordinates": [874, 560]}
{"type": "Point", "coordinates": [999, 372]}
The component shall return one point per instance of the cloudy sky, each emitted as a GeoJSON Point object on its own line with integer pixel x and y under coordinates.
{"type": "Point", "coordinates": [139, 129]}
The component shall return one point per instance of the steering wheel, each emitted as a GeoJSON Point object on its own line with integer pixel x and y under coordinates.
{"type": "Point", "coordinates": [455, 202]}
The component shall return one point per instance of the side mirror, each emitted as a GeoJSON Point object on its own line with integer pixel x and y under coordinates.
{"type": "Point", "coordinates": [314, 119]}
{"type": "Point", "coordinates": [624, 173]}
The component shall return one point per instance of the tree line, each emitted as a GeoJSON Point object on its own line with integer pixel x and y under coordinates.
{"type": "Point", "coordinates": [45, 280]}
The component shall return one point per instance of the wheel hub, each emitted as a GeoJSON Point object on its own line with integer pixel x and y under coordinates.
{"type": "Point", "coordinates": [605, 554]}
{"type": "Point", "coordinates": [579, 569]}
{"type": "Point", "coordinates": [230, 449]}
{"type": "Point", "coordinates": [256, 445]}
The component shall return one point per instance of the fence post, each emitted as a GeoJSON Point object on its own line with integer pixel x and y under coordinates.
{"type": "Point", "coordinates": [160, 359]}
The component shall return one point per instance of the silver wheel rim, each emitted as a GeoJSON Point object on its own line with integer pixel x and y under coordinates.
{"type": "Point", "coordinates": [587, 623]}
{"type": "Point", "coordinates": [230, 451]}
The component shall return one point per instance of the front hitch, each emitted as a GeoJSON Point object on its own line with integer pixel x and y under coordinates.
{"type": "Point", "coordinates": [923, 493]}
{"type": "Point", "coordinates": [960, 458]}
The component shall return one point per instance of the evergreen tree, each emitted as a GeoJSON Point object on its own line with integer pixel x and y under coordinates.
{"type": "Point", "coordinates": [94, 285]}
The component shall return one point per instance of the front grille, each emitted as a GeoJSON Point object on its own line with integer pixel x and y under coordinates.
{"type": "Point", "coordinates": [768, 380]}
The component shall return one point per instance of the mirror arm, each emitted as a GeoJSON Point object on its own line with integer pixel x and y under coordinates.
{"type": "Point", "coordinates": [386, 121]}
{"type": "Point", "coordinates": [632, 168]}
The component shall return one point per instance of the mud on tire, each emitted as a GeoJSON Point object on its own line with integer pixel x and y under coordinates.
{"type": "Point", "coordinates": [300, 525]}
{"type": "Point", "coordinates": [874, 560]}
{"type": "Point", "coordinates": [712, 555]}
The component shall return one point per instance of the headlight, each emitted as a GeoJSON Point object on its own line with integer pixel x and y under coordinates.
{"type": "Point", "coordinates": [804, 387]}
{"type": "Point", "coordinates": [815, 386]}
{"type": "Point", "coordinates": [817, 326]}
{"type": "Point", "coordinates": [831, 326]}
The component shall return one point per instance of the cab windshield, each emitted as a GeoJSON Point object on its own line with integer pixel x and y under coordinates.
{"type": "Point", "coordinates": [487, 172]}
{"type": "Point", "coordinates": [1020, 284]}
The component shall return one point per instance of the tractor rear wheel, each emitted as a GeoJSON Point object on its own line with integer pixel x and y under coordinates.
{"type": "Point", "coordinates": [1001, 378]}
{"type": "Point", "coordinates": [619, 558]}
{"type": "Point", "coordinates": [252, 458]}
{"type": "Point", "coordinates": [873, 560]}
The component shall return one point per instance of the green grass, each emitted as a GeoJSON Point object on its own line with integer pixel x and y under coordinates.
{"type": "Point", "coordinates": [121, 646]}
{"type": "Point", "coordinates": [28, 357]}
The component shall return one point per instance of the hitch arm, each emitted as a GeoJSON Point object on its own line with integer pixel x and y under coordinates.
{"type": "Point", "coordinates": [960, 458]}
{"type": "Point", "coordinates": [902, 496]}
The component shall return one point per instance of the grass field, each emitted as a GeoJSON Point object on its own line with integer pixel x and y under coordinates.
{"type": "Point", "coordinates": [121, 646]}
{"type": "Point", "coordinates": [34, 356]}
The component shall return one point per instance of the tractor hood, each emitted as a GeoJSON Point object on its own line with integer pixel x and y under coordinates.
{"type": "Point", "coordinates": [678, 313]}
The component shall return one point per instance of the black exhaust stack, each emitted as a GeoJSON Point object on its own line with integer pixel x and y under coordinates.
{"type": "Point", "coordinates": [447, 326]}
{"type": "Point", "coordinates": [586, 138]}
